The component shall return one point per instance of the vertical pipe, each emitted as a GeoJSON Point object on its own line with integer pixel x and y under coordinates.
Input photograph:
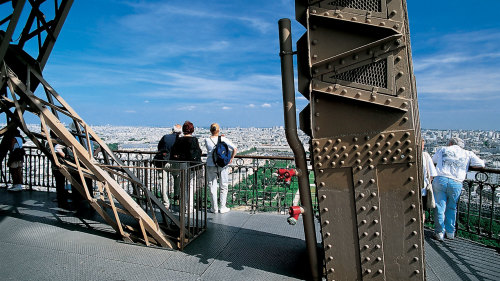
{"type": "Point", "coordinates": [292, 137]}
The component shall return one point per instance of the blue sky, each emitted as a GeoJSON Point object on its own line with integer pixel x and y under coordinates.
{"type": "Point", "coordinates": [154, 63]}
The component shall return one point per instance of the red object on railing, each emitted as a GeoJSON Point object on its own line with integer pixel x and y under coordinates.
{"type": "Point", "coordinates": [286, 175]}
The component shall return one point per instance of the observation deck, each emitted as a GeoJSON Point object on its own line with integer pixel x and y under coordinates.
{"type": "Point", "coordinates": [42, 242]}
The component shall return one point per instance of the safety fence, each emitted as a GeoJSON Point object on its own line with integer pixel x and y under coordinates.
{"type": "Point", "coordinates": [266, 183]}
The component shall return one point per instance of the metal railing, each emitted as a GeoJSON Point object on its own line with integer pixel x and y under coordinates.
{"type": "Point", "coordinates": [253, 186]}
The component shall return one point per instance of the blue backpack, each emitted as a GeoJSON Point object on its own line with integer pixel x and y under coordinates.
{"type": "Point", "coordinates": [221, 153]}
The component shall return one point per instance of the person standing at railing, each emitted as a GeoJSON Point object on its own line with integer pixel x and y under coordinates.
{"type": "Point", "coordinates": [164, 147]}
{"type": "Point", "coordinates": [16, 161]}
{"type": "Point", "coordinates": [187, 149]}
{"type": "Point", "coordinates": [453, 162]}
{"type": "Point", "coordinates": [215, 172]}
{"type": "Point", "coordinates": [429, 172]}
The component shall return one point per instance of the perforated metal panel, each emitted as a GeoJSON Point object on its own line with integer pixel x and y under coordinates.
{"type": "Point", "coordinates": [374, 74]}
{"type": "Point", "coordinates": [369, 5]}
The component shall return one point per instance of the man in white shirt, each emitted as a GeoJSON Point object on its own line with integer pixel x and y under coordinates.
{"type": "Point", "coordinates": [429, 172]}
{"type": "Point", "coordinates": [214, 171]}
{"type": "Point", "coordinates": [452, 164]}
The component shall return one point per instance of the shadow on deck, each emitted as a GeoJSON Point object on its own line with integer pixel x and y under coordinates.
{"type": "Point", "coordinates": [38, 241]}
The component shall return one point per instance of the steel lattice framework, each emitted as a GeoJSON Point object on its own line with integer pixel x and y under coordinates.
{"type": "Point", "coordinates": [21, 75]}
{"type": "Point", "coordinates": [355, 68]}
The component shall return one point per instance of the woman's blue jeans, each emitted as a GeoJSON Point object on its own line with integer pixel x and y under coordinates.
{"type": "Point", "coordinates": [446, 193]}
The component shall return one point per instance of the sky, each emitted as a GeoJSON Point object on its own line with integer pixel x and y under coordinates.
{"type": "Point", "coordinates": [155, 63]}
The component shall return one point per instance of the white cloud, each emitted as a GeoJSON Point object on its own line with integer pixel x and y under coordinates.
{"type": "Point", "coordinates": [146, 101]}
{"type": "Point", "coordinates": [266, 105]}
{"type": "Point", "coordinates": [251, 105]}
{"type": "Point", "coordinates": [187, 107]}
{"type": "Point", "coordinates": [226, 108]}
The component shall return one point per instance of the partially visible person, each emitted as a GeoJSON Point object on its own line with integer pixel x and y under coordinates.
{"type": "Point", "coordinates": [62, 194]}
{"type": "Point", "coordinates": [164, 147]}
{"type": "Point", "coordinates": [16, 161]}
{"type": "Point", "coordinates": [187, 149]}
{"type": "Point", "coordinates": [215, 172]}
{"type": "Point", "coordinates": [453, 162]}
{"type": "Point", "coordinates": [429, 172]}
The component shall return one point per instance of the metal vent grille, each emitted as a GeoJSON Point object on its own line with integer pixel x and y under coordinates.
{"type": "Point", "coordinates": [367, 5]}
{"type": "Point", "coordinates": [374, 74]}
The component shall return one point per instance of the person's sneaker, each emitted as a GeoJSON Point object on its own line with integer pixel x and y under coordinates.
{"type": "Point", "coordinates": [450, 235]}
{"type": "Point", "coordinates": [439, 236]}
{"type": "Point", "coordinates": [212, 210]}
{"type": "Point", "coordinates": [224, 210]}
{"type": "Point", "coordinates": [16, 187]}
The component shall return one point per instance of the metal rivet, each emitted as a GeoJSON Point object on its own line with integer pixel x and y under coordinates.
{"type": "Point", "coordinates": [402, 89]}
{"type": "Point", "coordinates": [377, 144]}
{"type": "Point", "coordinates": [375, 208]}
{"type": "Point", "coordinates": [363, 221]}
{"type": "Point", "coordinates": [358, 161]}
{"type": "Point", "coordinates": [397, 143]}
{"type": "Point", "coordinates": [414, 233]}
{"type": "Point", "coordinates": [363, 208]}
{"type": "Point", "coordinates": [317, 128]}
{"type": "Point", "coordinates": [327, 234]}
{"type": "Point", "coordinates": [322, 171]}
{"type": "Point", "coordinates": [334, 149]}
{"type": "Point", "coordinates": [367, 138]}
{"type": "Point", "coordinates": [316, 143]}
{"type": "Point", "coordinates": [379, 258]}
{"type": "Point", "coordinates": [388, 101]}
{"type": "Point", "coordinates": [380, 271]}
{"type": "Point", "coordinates": [396, 26]}
{"type": "Point", "coordinates": [358, 94]}
{"type": "Point", "coordinates": [327, 157]}
{"type": "Point", "coordinates": [355, 57]}
{"type": "Point", "coordinates": [360, 168]}
{"type": "Point", "coordinates": [323, 197]}
{"type": "Point", "coordinates": [313, 12]}
{"type": "Point", "coordinates": [398, 58]}
{"type": "Point", "coordinates": [413, 219]}
{"type": "Point", "coordinates": [371, 167]}
{"type": "Point", "coordinates": [343, 147]}
{"type": "Point", "coordinates": [367, 259]}
{"type": "Point", "coordinates": [382, 24]}
{"type": "Point", "coordinates": [415, 246]}
{"type": "Point", "coordinates": [341, 162]}
{"type": "Point", "coordinates": [370, 153]}
{"type": "Point", "coordinates": [412, 192]}
{"type": "Point", "coordinates": [368, 21]}
{"type": "Point", "coordinates": [384, 159]}
{"type": "Point", "coordinates": [315, 56]}
{"type": "Point", "coordinates": [329, 88]}
{"type": "Point", "coordinates": [405, 119]}
{"type": "Point", "coordinates": [391, 135]}
{"type": "Point", "coordinates": [393, 12]}
{"type": "Point", "coordinates": [369, 159]}
{"type": "Point", "coordinates": [408, 142]}
{"type": "Point", "coordinates": [317, 114]}
{"type": "Point", "coordinates": [410, 178]}
{"type": "Point", "coordinates": [357, 154]}
{"type": "Point", "coordinates": [343, 92]}
{"type": "Point", "coordinates": [388, 151]}
{"type": "Point", "coordinates": [365, 234]}
{"type": "Point", "coordinates": [314, 42]}
{"type": "Point", "coordinates": [346, 155]}
{"type": "Point", "coordinates": [336, 156]}
{"type": "Point", "coordinates": [374, 194]}
{"type": "Point", "coordinates": [356, 146]}
{"type": "Point", "coordinates": [413, 206]}
{"type": "Point", "coordinates": [340, 16]}
{"type": "Point", "coordinates": [405, 104]}
{"type": "Point", "coordinates": [326, 14]}
{"type": "Point", "coordinates": [366, 247]}
{"type": "Point", "coordinates": [377, 233]}
{"type": "Point", "coordinates": [329, 246]}
{"type": "Point", "coordinates": [394, 158]}
{"type": "Point", "coordinates": [398, 151]}
{"type": "Point", "coordinates": [362, 195]}
{"type": "Point", "coordinates": [322, 184]}
{"type": "Point", "coordinates": [329, 142]}
{"type": "Point", "coordinates": [354, 19]}
{"type": "Point", "coordinates": [339, 140]}
{"type": "Point", "coordinates": [378, 246]}
{"type": "Point", "coordinates": [407, 134]}
{"type": "Point", "coordinates": [417, 271]}
{"type": "Point", "coordinates": [317, 150]}
{"type": "Point", "coordinates": [319, 164]}
{"type": "Point", "coordinates": [318, 157]}
{"type": "Point", "coordinates": [333, 164]}
{"type": "Point", "coordinates": [368, 270]}
{"type": "Point", "coordinates": [375, 221]}
{"type": "Point", "coordinates": [415, 259]}
{"type": "Point", "coordinates": [330, 258]}
{"type": "Point", "coordinates": [372, 181]}
{"type": "Point", "coordinates": [332, 270]}
{"type": "Point", "coordinates": [360, 182]}
{"type": "Point", "coordinates": [325, 209]}
{"type": "Point", "coordinates": [388, 143]}
{"type": "Point", "coordinates": [327, 223]}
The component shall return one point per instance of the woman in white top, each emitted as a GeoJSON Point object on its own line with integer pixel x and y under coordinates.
{"type": "Point", "coordinates": [214, 172]}
{"type": "Point", "coordinates": [429, 172]}
{"type": "Point", "coordinates": [452, 164]}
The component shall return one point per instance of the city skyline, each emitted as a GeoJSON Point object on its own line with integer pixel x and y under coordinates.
{"type": "Point", "coordinates": [155, 63]}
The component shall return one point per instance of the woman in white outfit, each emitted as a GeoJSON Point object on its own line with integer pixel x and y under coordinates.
{"type": "Point", "coordinates": [214, 172]}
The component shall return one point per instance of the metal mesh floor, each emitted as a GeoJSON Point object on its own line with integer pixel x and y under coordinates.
{"type": "Point", "coordinates": [40, 242]}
